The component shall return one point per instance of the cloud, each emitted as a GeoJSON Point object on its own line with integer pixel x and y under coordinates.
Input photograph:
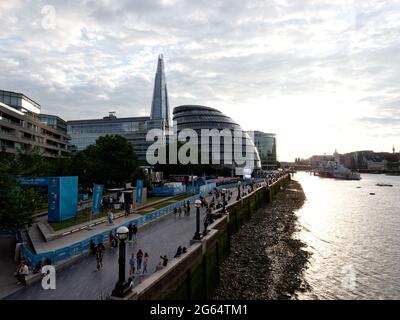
{"type": "Point", "coordinates": [270, 57]}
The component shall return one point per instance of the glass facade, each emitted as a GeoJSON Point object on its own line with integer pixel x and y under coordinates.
{"type": "Point", "coordinates": [19, 102]}
{"type": "Point", "coordinates": [200, 117]}
{"type": "Point", "coordinates": [85, 132]}
{"type": "Point", "coordinates": [53, 122]}
{"type": "Point", "coordinates": [160, 103]}
{"type": "Point", "coordinates": [266, 145]}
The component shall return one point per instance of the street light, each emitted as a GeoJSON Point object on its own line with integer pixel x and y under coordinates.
{"type": "Point", "coordinates": [121, 286]}
{"type": "Point", "coordinates": [224, 200]}
{"type": "Point", "coordinates": [197, 235]}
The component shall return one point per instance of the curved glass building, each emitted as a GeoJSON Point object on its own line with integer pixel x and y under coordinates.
{"type": "Point", "coordinates": [217, 147]}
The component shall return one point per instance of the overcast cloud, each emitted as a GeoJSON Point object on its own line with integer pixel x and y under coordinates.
{"type": "Point", "coordinates": [321, 74]}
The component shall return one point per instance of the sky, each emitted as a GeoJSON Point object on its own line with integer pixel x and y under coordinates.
{"type": "Point", "coordinates": [322, 75]}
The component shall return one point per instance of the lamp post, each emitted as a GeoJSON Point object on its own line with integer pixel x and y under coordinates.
{"type": "Point", "coordinates": [197, 235]}
{"type": "Point", "coordinates": [121, 286]}
{"type": "Point", "coordinates": [224, 200]}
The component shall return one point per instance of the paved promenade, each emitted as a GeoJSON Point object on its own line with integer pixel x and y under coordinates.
{"type": "Point", "coordinates": [81, 281]}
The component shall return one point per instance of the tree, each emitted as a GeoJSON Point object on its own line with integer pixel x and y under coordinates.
{"type": "Point", "coordinates": [110, 161]}
{"type": "Point", "coordinates": [18, 204]}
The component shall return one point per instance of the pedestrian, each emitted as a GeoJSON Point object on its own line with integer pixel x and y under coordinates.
{"type": "Point", "coordinates": [132, 263]}
{"type": "Point", "coordinates": [164, 260]}
{"type": "Point", "coordinates": [188, 204]}
{"type": "Point", "coordinates": [179, 211]}
{"type": "Point", "coordinates": [205, 226]}
{"type": "Point", "coordinates": [145, 262]}
{"type": "Point", "coordinates": [134, 232]}
{"type": "Point", "coordinates": [130, 282]}
{"type": "Point", "coordinates": [99, 257]}
{"type": "Point", "coordinates": [185, 210]}
{"type": "Point", "coordinates": [22, 272]}
{"type": "Point", "coordinates": [139, 258]}
{"type": "Point", "coordinates": [130, 231]}
{"type": "Point", "coordinates": [175, 211]}
{"type": "Point", "coordinates": [178, 252]}
{"type": "Point", "coordinates": [110, 217]}
{"type": "Point", "coordinates": [188, 210]}
{"type": "Point", "coordinates": [159, 265]}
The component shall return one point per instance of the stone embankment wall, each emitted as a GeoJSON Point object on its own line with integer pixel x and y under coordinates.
{"type": "Point", "coordinates": [195, 275]}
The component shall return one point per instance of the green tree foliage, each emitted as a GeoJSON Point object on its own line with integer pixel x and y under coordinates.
{"type": "Point", "coordinates": [17, 203]}
{"type": "Point", "coordinates": [110, 161]}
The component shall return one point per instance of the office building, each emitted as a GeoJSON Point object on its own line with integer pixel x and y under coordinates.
{"type": "Point", "coordinates": [85, 132]}
{"type": "Point", "coordinates": [21, 127]}
{"type": "Point", "coordinates": [198, 117]}
{"type": "Point", "coordinates": [266, 146]}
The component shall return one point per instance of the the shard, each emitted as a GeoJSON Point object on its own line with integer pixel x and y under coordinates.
{"type": "Point", "coordinates": [160, 104]}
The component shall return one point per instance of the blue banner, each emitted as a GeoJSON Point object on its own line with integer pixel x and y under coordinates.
{"type": "Point", "coordinates": [139, 190]}
{"type": "Point", "coordinates": [97, 195]}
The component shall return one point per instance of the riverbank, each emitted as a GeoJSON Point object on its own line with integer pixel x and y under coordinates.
{"type": "Point", "coordinates": [266, 261]}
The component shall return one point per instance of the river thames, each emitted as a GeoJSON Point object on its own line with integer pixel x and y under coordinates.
{"type": "Point", "coordinates": [353, 237]}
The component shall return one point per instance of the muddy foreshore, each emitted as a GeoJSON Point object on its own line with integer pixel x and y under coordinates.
{"type": "Point", "coordinates": [266, 261]}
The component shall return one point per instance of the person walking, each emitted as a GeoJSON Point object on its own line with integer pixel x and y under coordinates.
{"type": "Point", "coordinates": [175, 211]}
{"type": "Point", "coordinates": [134, 232]}
{"type": "Point", "coordinates": [99, 256]}
{"type": "Point", "coordinates": [139, 258]}
{"type": "Point", "coordinates": [110, 217]}
{"type": "Point", "coordinates": [130, 232]}
{"type": "Point", "coordinates": [132, 263]}
{"type": "Point", "coordinates": [179, 211]}
{"type": "Point", "coordinates": [145, 262]}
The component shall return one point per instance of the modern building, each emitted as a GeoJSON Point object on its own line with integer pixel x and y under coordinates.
{"type": "Point", "coordinates": [160, 103]}
{"type": "Point", "coordinates": [54, 122]}
{"type": "Point", "coordinates": [266, 146]}
{"type": "Point", "coordinates": [199, 117]}
{"type": "Point", "coordinates": [85, 132]}
{"type": "Point", "coordinates": [21, 127]}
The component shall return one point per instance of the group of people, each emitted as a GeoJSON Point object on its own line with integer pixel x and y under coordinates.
{"type": "Point", "coordinates": [272, 176]}
{"type": "Point", "coordinates": [185, 209]}
{"type": "Point", "coordinates": [181, 250]}
{"type": "Point", "coordinates": [137, 261]}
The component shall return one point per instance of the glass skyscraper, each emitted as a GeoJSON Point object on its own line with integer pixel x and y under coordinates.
{"type": "Point", "coordinates": [160, 103]}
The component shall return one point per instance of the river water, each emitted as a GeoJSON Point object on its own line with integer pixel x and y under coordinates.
{"type": "Point", "coordinates": [353, 237]}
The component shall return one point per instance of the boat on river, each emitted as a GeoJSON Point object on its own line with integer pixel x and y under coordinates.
{"type": "Point", "coordinates": [384, 185]}
{"type": "Point", "coordinates": [331, 169]}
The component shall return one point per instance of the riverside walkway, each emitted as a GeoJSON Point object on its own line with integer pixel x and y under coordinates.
{"type": "Point", "coordinates": [81, 281]}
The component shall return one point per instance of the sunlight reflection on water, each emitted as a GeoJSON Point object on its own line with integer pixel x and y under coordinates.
{"type": "Point", "coordinates": [353, 237]}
